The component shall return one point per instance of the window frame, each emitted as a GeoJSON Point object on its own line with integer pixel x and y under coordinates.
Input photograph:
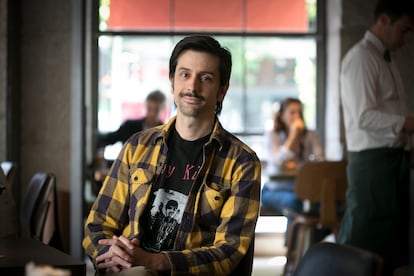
{"type": "Point", "coordinates": [319, 35]}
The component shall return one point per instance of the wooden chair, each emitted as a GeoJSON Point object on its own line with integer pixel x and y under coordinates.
{"type": "Point", "coordinates": [325, 259]}
{"type": "Point", "coordinates": [323, 183]}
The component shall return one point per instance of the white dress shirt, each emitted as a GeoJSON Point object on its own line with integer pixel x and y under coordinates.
{"type": "Point", "coordinates": [373, 97]}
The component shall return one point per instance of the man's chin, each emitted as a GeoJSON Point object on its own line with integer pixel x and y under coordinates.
{"type": "Point", "coordinates": [190, 115]}
{"type": "Point", "coordinates": [189, 111]}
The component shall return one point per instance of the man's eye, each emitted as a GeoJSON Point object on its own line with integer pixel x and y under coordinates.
{"type": "Point", "coordinates": [206, 78]}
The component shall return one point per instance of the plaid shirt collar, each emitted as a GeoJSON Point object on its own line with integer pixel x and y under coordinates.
{"type": "Point", "coordinates": [218, 134]}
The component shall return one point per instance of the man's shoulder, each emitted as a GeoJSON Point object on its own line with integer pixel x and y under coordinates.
{"type": "Point", "coordinates": [356, 51]}
{"type": "Point", "coordinates": [233, 144]}
{"type": "Point", "coordinates": [361, 51]}
{"type": "Point", "coordinates": [147, 136]}
{"type": "Point", "coordinates": [134, 121]}
{"type": "Point", "coordinates": [131, 126]}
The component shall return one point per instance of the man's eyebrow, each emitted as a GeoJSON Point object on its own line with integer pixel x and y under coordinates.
{"type": "Point", "coordinates": [201, 72]}
{"type": "Point", "coordinates": [183, 68]}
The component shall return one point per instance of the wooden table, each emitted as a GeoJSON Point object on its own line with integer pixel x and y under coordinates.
{"type": "Point", "coordinates": [16, 253]}
{"type": "Point", "coordinates": [285, 175]}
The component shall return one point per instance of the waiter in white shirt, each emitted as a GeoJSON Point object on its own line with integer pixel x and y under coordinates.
{"type": "Point", "coordinates": [377, 129]}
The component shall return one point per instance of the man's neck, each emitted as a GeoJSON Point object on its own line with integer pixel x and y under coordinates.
{"type": "Point", "coordinates": [191, 129]}
{"type": "Point", "coordinates": [148, 122]}
{"type": "Point", "coordinates": [376, 31]}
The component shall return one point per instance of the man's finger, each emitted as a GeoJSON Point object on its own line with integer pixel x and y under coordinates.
{"type": "Point", "coordinates": [121, 262]}
{"type": "Point", "coordinates": [106, 241]}
{"type": "Point", "coordinates": [103, 257]}
{"type": "Point", "coordinates": [114, 263]}
{"type": "Point", "coordinates": [135, 241]}
{"type": "Point", "coordinates": [129, 245]}
{"type": "Point", "coordinates": [119, 249]}
{"type": "Point", "coordinates": [107, 264]}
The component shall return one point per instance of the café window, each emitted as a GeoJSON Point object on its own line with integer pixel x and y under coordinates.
{"type": "Point", "coordinates": [274, 45]}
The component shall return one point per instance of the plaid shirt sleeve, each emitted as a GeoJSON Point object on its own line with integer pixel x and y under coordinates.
{"type": "Point", "coordinates": [107, 215]}
{"type": "Point", "coordinates": [225, 215]}
{"type": "Point", "coordinates": [127, 184]}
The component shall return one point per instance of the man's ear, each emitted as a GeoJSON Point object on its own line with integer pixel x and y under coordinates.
{"type": "Point", "coordinates": [384, 19]}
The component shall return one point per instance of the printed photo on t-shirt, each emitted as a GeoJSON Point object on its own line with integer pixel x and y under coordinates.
{"type": "Point", "coordinates": [164, 219]}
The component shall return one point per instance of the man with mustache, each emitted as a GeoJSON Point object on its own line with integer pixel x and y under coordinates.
{"type": "Point", "coordinates": [212, 178]}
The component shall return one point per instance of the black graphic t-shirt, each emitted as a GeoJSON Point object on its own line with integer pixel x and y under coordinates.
{"type": "Point", "coordinates": [169, 195]}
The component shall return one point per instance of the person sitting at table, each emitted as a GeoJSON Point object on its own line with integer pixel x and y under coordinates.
{"type": "Point", "coordinates": [154, 103]}
{"type": "Point", "coordinates": [288, 144]}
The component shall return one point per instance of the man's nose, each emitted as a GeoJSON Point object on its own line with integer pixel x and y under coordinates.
{"type": "Point", "coordinates": [192, 84]}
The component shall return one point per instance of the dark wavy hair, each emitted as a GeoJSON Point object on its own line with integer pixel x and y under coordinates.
{"type": "Point", "coordinates": [207, 44]}
{"type": "Point", "coordinates": [280, 126]}
{"type": "Point", "coordinates": [156, 96]}
{"type": "Point", "coordinates": [395, 9]}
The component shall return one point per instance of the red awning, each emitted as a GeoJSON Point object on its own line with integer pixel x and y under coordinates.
{"type": "Point", "coordinates": [212, 15]}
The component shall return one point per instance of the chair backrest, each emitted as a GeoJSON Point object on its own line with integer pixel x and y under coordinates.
{"type": "Point", "coordinates": [323, 182]}
{"type": "Point", "coordinates": [325, 258]}
{"type": "Point", "coordinates": [36, 204]}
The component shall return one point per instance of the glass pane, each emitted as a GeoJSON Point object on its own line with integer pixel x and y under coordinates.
{"type": "Point", "coordinates": [232, 113]}
{"type": "Point", "coordinates": [277, 68]}
{"type": "Point", "coordinates": [311, 7]}
{"type": "Point", "coordinates": [295, 16]}
{"type": "Point", "coordinates": [130, 68]}
{"type": "Point", "coordinates": [265, 71]}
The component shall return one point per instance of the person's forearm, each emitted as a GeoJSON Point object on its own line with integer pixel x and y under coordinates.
{"type": "Point", "coordinates": [157, 261]}
{"type": "Point", "coordinates": [291, 141]}
{"type": "Point", "coordinates": [161, 263]}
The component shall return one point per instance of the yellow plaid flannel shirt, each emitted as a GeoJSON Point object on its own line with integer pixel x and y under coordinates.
{"type": "Point", "coordinates": [219, 220]}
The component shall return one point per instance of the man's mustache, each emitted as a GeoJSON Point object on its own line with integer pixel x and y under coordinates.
{"type": "Point", "coordinates": [189, 94]}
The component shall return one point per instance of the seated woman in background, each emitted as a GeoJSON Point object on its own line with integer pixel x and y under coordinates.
{"type": "Point", "coordinates": [289, 144]}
